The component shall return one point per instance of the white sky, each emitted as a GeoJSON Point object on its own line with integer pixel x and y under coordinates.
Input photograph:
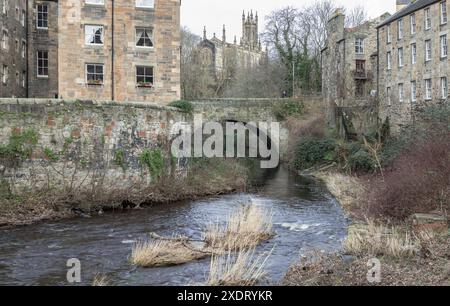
{"type": "Point", "coordinates": [215, 13]}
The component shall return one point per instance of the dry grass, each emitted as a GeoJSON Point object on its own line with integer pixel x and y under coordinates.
{"type": "Point", "coordinates": [245, 229]}
{"type": "Point", "coordinates": [100, 280]}
{"type": "Point", "coordinates": [380, 240]}
{"type": "Point", "coordinates": [237, 269]}
{"type": "Point", "coordinates": [348, 190]}
{"type": "Point", "coordinates": [159, 253]}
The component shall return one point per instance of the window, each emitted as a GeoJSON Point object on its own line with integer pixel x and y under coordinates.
{"type": "Point", "coordinates": [413, 54]}
{"type": "Point", "coordinates": [443, 6]}
{"type": "Point", "coordinates": [413, 91]}
{"type": "Point", "coordinates": [24, 49]}
{"type": "Point", "coordinates": [359, 88]}
{"type": "Point", "coordinates": [400, 29]}
{"type": "Point", "coordinates": [427, 19]}
{"type": "Point", "coordinates": [444, 88]}
{"type": "Point", "coordinates": [428, 50]}
{"type": "Point", "coordinates": [42, 16]}
{"type": "Point", "coordinates": [17, 13]}
{"type": "Point", "coordinates": [93, 34]}
{"type": "Point", "coordinates": [428, 89]}
{"type": "Point", "coordinates": [400, 57]}
{"type": "Point", "coordinates": [95, 2]}
{"type": "Point", "coordinates": [401, 96]}
{"type": "Point", "coordinates": [5, 74]}
{"type": "Point", "coordinates": [389, 61]}
{"type": "Point", "coordinates": [5, 40]}
{"type": "Point", "coordinates": [360, 66]}
{"type": "Point", "coordinates": [42, 64]}
{"type": "Point", "coordinates": [388, 95]}
{"type": "Point", "coordinates": [359, 46]}
{"type": "Point", "coordinates": [144, 37]}
{"type": "Point", "coordinates": [17, 45]}
{"type": "Point", "coordinates": [23, 19]}
{"type": "Point", "coordinates": [145, 3]}
{"type": "Point", "coordinates": [5, 7]}
{"type": "Point", "coordinates": [94, 74]}
{"type": "Point", "coordinates": [17, 78]}
{"type": "Point", "coordinates": [144, 76]}
{"type": "Point", "coordinates": [388, 34]}
{"type": "Point", "coordinates": [413, 23]}
{"type": "Point", "coordinates": [24, 79]}
{"type": "Point", "coordinates": [444, 48]}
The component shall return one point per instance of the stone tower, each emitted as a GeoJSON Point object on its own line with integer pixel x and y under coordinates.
{"type": "Point", "coordinates": [250, 37]}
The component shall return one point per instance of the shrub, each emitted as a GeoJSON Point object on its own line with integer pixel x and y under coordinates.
{"type": "Point", "coordinates": [289, 108]}
{"type": "Point", "coordinates": [416, 182]}
{"type": "Point", "coordinates": [154, 161]}
{"type": "Point", "coordinates": [183, 105]}
{"type": "Point", "coordinates": [313, 151]}
{"type": "Point", "coordinates": [361, 162]}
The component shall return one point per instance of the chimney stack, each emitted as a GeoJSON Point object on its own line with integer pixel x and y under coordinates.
{"type": "Point", "coordinates": [401, 4]}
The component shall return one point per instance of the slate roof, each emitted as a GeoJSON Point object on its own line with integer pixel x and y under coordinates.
{"type": "Point", "coordinates": [415, 6]}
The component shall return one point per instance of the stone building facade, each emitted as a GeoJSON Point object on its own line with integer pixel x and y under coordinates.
{"type": "Point", "coordinates": [102, 49]}
{"type": "Point", "coordinates": [13, 46]}
{"type": "Point", "coordinates": [349, 70]}
{"type": "Point", "coordinates": [224, 58]}
{"type": "Point", "coordinates": [414, 64]}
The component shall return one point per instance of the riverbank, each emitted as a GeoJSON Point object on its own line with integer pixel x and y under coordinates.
{"type": "Point", "coordinates": [202, 179]}
{"type": "Point", "coordinates": [409, 253]}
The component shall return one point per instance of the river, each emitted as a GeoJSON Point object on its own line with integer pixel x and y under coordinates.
{"type": "Point", "coordinates": [306, 217]}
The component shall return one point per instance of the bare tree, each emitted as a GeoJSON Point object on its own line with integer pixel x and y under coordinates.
{"type": "Point", "coordinates": [356, 17]}
{"type": "Point", "coordinates": [197, 79]}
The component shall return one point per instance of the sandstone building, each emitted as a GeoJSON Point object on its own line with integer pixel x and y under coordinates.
{"type": "Point", "coordinates": [349, 70]}
{"type": "Point", "coordinates": [13, 48]}
{"type": "Point", "coordinates": [224, 58]}
{"type": "Point", "coordinates": [413, 60]}
{"type": "Point", "coordinates": [94, 49]}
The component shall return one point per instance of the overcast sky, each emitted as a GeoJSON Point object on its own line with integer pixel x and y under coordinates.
{"type": "Point", "coordinates": [215, 13]}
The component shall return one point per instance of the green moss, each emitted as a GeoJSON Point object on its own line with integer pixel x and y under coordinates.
{"type": "Point", "coordinates": [154, 161]}
{"type": "Point", "coordinates": [119, 159]}
{"type": "Point", "coordinates": [183, 105]}
{"type": "Point", "coordinates": [50, 155]}
{"type": "Point", "coordinates": [20, 146]}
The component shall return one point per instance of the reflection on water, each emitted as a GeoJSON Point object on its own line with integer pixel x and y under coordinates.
{"type": "Point", "coordinates": [306, 217]}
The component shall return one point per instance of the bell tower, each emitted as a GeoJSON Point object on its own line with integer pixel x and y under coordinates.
{"type": "Point", "coordinates": [250, 34]}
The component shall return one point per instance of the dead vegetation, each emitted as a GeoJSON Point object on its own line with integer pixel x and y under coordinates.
{"type": "Point", "coordinates": [246, 228]}
{"type": "Point", "coordinates": [100, 280]}
{"type": "Point", "coordinates": [162, 253]}
{"type": "Point", "coordinates": [243, 268]}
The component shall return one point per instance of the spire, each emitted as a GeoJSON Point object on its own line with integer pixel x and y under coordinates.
{"type": "Point", "coordinates": [224, 35]}
{"type": "Point", "coordinates": [204, 33]}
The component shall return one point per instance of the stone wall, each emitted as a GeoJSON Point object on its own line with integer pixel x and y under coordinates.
{"type": "Point", "coordinates": [12, 57]}
{"type": "Point", "coordinates": [81, 142]}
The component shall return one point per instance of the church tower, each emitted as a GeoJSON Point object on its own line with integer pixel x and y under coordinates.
{"type": "Point", "coordinates": [250, 36]}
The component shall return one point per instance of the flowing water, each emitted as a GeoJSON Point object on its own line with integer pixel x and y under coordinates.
{"type": "Point", "coordinates": [306, 218]}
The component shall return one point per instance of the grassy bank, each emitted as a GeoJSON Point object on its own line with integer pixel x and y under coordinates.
{"type": "Point", "coordinates": [396, 190]}
{"type": "Point", "coordinates": [203, 178]}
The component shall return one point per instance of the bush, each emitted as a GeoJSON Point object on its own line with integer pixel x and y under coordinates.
{"type": "Point", "coordinates": [313, 151]}
{"type": "Point", "coordinates": [287, 109]}
{"type": "Point", "coordinates": [417, 181]}
{"type": "Point", "coordinates": [361, 162]}
{"type": "Point", "coordinates": [183, 105]}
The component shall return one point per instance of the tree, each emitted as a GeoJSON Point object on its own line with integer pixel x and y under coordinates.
{"type": "Point", "coordinates": [197, 79]}
{"type": "Point", "coordinates": [356, 17]}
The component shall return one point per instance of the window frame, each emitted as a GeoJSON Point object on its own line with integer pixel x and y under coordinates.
{"type": "Point", "coordinates": [152, 6]}
{"type": "Point", "coordinates": [413, 91]}
{"type": "Point", "coordinates": [144, 84]}
{"type": "Point", "coordinates": [102, 35]}
{"type": "Point", "coordinates": [427, 19]}
{"type": "Point", "coordinates": [151, 38]}
{"type": "Point", "coordinates": [42, 76]}
{"type": "Point", "coordinates": [401, 57]}
{"type": "Point", "coordinates": [443, 12]}
{"type": "Point", "coordinates": [400, 29]}
{"type": "Point", "coordinates": [389, 60]}
{"type": "Point", "coordinates": [413, 53]}
{"type": "Point", "coordinates": [443, 46]}
{"type": "Point", "coordinates": [428, 51]}
{"type": "Point", "coordinates": [38, 14]}
{"type": "Point", "coordinates": [94, 82]}
{"type": "Point", "coordinates": [413, 24]}
{"type": "Point", "coordinates": [444, 88]}
{"type": "Point", "coordinates": [428, 89]}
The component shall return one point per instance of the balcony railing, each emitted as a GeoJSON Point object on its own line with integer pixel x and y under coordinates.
{"type": "Point", "coordinates": [362, 75]}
